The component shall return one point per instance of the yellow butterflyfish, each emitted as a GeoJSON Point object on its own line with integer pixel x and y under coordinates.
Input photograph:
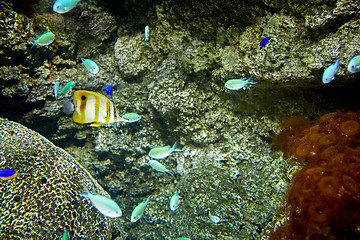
{"type": "Point", "coordinates": [94, 108]}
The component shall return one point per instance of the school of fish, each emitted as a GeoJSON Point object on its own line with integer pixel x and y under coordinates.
{"type": "Point", "coordinates": [95, 109]}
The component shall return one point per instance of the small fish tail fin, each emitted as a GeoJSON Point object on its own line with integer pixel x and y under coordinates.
{"type": "Point", "coordinates": [337, 62]}
{"type": "Point", "coordinates": [148, 200]}
{"type": "Point", "coordinates": [32, 41]}
{"type": "Point", "coordinates": [175, 149]}
{"type": "Point", "coordinates": [170, 172]}
{"type": "Point", "coordinates": [86, 192]}
{"type": "Point", "coordinates": [252, 82]}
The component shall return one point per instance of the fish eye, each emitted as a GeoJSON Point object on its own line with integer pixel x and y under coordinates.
{"type": "Point", "coordinates": [83, 98]}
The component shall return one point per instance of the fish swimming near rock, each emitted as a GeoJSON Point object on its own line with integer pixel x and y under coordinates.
{"type": "Point", "coordinates": [159, 167]}
{"type": "Point", "coordinates": [213, 218]}
{"type": "Point", "coordinates": [138, 212]}
{"type": "Point", "coordinates": [175, 201]}
{"type": "Point", "coordinates": [146, 33]}
{"type": "Point", "coordinates": [56, 89]}
{"type": "Point", "coordinates": [237, 84]}
{"type": "Point", "coordinates": [354, 64]}
{"type": "Point", "coordinates": [329, 73]}
{"type": "Point", "coordinates": [94, 108]}
{"type": "Point", "coordinates": [64, 6]}
{"type": "Point", "coordinates": [8, 174]}
{"type": "Point", "coordinates": [104, 205]}
{"type": "Point", "coordinates": [90, 65]}
{"type": "Point", "coordinates": [64, 90]}
{"type": "Point", "coordinates": [263, 42]}
{"type": "Point", "coordinates": [64, 237]}
{"type": "Point", "coordinates": [131, 117]}
{"type": "Point", "coordinates": [67, 88]}
{"type": "Point", "coordinates": [109, 90]}
{"type": "Point", "coordinates": [43, 39]}
{"type": "Point", "coordinates": [163, 152]}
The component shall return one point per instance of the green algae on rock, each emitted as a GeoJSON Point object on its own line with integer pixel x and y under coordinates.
{"type": "Point", "coordinates": [44, 199]}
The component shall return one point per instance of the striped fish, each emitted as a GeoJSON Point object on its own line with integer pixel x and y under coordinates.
{"type": "Point", "coordinates": [94, 108]}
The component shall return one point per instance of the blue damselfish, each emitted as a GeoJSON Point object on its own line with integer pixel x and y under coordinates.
{"type": "Point", "coordinates": [263, 42]}
{"type": "Point", "coordinates": [7, 174]}
{"type": "Point", "coordinates": [109, 90]}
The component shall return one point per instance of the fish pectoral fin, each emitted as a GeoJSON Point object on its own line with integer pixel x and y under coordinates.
{"type": "Point", "coordinates": [97, 124]}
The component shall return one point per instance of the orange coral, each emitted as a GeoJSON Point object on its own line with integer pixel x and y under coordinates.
{"type": "Point", "coordinates": [324, 200]}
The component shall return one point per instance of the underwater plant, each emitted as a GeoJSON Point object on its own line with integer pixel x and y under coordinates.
{"type": "Point", "coordinates": [324, 199]}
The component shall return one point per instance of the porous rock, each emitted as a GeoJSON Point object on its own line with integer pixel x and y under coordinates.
{"type": "Point", "coordinates": [44, 199]}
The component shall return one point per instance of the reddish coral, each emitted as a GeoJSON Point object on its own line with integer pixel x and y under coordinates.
{"type": "Point", "coordinates": [324, 200]}
{"type": "Point", "coordinates": [350, 127]}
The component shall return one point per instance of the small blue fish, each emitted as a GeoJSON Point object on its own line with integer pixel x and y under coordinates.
{"type": "Point", "coordinates": [329, 73]}
{"type": "Point", "coordinates": [56, 89]}
{"type": "Point", "coordinates": [159, 167]}
{"type": "Point", "coordinates": [7, 174]}
{"type": "Point", "coordinates": [236, 84]}
{"type": "Point", "coordinates": [146, 33]}
{"type": "Point", "coordinates": [213, 218]}
{"type": "Point", "coordinates": [43, 39]}
{"type": "Point", "coordinates": [104, 205]}
{"type": "Point", "coordinates": [175, 201]}
{"type": "Point", "coordinates": [138, 212]}
{"type": "Point", "coordinates": [90, 65]}
{"type": "Point", "coordinates": [132, 117]}
{"type": "Point", "coordinates": [354, 64]}
{"type": "Point", "coordinates": [109, 90]}
{"type": "Point", "coordinates": [64, 237]}
{"type": "Point", "coordinates": [67, 88]}
{"type": "Point", "coordinates": [263, 42]}
{"type": "Point", "coordinates": [64, 6]}
{"type": "Point", "coordinates": [163, 152]}
{"type": "Point", "coordinates": [64, 90]}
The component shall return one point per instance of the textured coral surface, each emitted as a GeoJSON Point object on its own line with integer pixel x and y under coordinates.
{"type": "Point", "coordinates": [43, 200]}
{"type": "Point", "coordinates": [324, 200]}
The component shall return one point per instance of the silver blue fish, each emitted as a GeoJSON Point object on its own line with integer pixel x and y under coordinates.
{"type": "Point", "coordinates": [64, 237]}
{"type": "Point", "coordinates": [43, 39]}
{"type": "Point", "coordinates": [64, 6]}
{"type": "Point", "coordinates": [163, 152]}
{"type": "Point", "coordinates": [146, 33]}
{"type": "Point", "coordinates": [159, 167]}
{"type": "Point", "coordinates": [175, 201]}
{"type": "Point", "coordinates": [236, 84]}
{"type": "Point", "coordinates": [105, 205]}
{"type": "Point", "coordinates": [213, 218]}
{"type": "Point", "coordinates": [67, 88]}
{"type": "Point", "coordinates": [56, 89]}
{"type": "Point", "coordinates": [138, 212]}
{"type": "Point", "coordinates": [132, 117]}
{"type": "Point", "coordinates": [354, 64]}
{"type": "Point", "coordinates": [329, 73]}
{"type": "Point", "coordinates": [90, 65]}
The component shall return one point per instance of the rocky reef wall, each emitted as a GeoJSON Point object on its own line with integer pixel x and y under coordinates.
{"type": "Point", "coordinates": [175, 81]}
